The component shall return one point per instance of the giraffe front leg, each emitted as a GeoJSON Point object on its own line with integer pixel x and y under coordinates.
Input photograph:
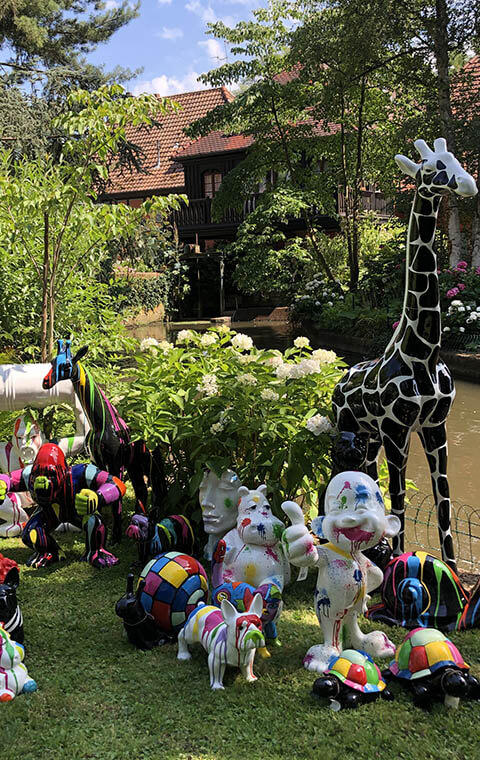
{"type": "Point", "coordinates": [371, 467]}
{"type": "Point", "coordinates": [434, 441]}
{"type": "Point", "coordinates": [396, 453]}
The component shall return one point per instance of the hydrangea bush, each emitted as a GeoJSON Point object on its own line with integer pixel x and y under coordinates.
{"type": "Point", "coordinates": [460, 300]}
{"type": "Point", "coordinates": [320, 294]}
{"type": "Point", "coordinates": [215, 401]}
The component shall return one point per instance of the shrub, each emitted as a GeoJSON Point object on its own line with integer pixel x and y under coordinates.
{"type": "Point", "coordinates": [215, 401]}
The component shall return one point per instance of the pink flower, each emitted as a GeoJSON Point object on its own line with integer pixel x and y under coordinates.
{"type": "Point", "coordinates": [452, 292]}
{"type": "Point", "coordinates": [395, 324]}
{"type": "Point", "coordinates": [460, 286]}
{"type": "Point", "coordinates": [477, 270]}
{"type": "Point", "coordinates": [462, 265]}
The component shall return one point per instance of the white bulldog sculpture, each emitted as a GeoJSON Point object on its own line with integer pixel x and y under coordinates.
{"type": "Point", "coordinates": [252, 552]}
{"type": "Point", "coordinates": [14, 678]}
{"type": "Point", "coordinates": [229, 637]}
{"type": "Point", "coordinates": [354, 519]}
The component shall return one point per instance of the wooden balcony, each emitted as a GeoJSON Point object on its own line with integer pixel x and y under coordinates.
{"type": "Point", "coordinates": [196, 218]}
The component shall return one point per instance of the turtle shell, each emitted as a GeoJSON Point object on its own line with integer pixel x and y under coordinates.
{"type": "Point", "coordinates": [424, 651]}
{"type": "Point", "coordinates": [357, 670]}
{"type": "Point", "coordinates": [174, 583]}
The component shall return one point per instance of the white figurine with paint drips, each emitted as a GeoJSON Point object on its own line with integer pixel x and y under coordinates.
{"type": "Point", "coordinates": [354, 520]}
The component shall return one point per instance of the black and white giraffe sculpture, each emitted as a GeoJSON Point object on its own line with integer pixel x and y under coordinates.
{"type": "Point", "coordinates": [409, 389]}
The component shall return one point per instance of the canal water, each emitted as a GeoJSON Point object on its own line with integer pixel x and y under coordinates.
{"type": "Point", "coordinates": [463, 439]}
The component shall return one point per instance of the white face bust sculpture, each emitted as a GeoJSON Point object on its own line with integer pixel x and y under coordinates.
{"type": "Point", "coordinates": [219, 502]}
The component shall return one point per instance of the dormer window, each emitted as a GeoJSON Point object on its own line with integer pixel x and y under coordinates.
{"type": "Point", "coordinates": [211, 183]}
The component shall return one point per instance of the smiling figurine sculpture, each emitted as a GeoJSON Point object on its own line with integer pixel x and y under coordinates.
{"type": "Point", "coordinates": [218, 500]}
{"type": "Point", "coordinates": [354, 520]}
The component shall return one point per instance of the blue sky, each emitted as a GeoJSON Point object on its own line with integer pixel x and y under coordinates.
{"type": "Point", "coordinates": [169, 41]}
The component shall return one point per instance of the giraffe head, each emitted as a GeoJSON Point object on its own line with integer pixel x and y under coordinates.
{"type": "Point", "coordinates": [438, 171]}
{"type": "Point", "coordinates": [62, 364]}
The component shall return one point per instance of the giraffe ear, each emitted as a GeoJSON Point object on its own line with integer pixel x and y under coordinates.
{"type": "Point", "coordinates": [406, 165]}
{"type": "Point", "coordinates": [79, 354]}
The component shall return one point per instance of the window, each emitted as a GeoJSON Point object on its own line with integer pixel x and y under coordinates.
{"type": "Point", "coordinates": [211, 182]}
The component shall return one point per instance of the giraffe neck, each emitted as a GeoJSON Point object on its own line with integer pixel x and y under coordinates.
{"type": "Point", "coordinates": [419, 331]}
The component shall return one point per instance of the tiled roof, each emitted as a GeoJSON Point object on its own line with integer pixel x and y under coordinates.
{"type": "Point", "coordinates": [215, 142]}
{"type": "Point", "coordinates": [165, 174]}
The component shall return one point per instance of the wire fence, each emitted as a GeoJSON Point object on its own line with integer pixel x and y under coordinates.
{"type": "Point", "coordinates": [422, 531]}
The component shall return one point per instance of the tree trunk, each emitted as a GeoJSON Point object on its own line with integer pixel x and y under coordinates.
{"type": "Point", "coordinates": [45, 277]}
{"type": "Point", "coordinates": [441, 52]}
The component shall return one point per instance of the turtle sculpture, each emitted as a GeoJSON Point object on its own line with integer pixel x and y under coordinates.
{"type": "Point", "coordinates": [352, 679]}
{"type": "Point", "coordinates": [14, 678]}
{"type": "Point", "coordinates": [432, 668]}
{"type": "Point", "coordinates": [421, 591]}
{"type": "Point", "coordinates": [169, 588]}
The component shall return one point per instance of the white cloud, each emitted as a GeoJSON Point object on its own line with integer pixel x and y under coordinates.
{"type": "Point", "coordinates": [111, 5]}
{"type": "Point", "coordinates": [215, 51]}
{"type": "Point", "coordinates": [206, 12]}
{"type": "Point", "coordinates": [165, 85]}
{"type": "Point", "coordinates": [169, 33]}
{"type": "Point", "coordinates": [164, 2]}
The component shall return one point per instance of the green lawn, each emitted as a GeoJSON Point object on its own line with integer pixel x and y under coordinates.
{"type": "Point", "coordinates": [100, 698]}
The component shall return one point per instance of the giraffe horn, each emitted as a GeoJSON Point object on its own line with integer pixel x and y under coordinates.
{"type": "Point", "coordinates": [440, 145]}
{"type": "Point", "coordinates": [423, 148]}
{"type": "Point", "coordinates": [406, 165]}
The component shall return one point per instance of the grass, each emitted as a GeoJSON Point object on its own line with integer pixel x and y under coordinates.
{"type": "Point", "coordinates": [100, 698]}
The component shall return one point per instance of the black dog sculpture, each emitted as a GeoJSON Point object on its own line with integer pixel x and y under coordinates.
{"type": "Point", "coordinates": [140, 627]}
{"type": "Point", "coordinates": [10, 614]}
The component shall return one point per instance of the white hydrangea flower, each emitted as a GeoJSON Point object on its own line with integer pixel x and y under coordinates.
{"type": "Point", "coordinates": [478, 308]}
{"type": "Point", "coordinates": [208, 385]}
{"type": "Point", "coordinates": [269, 395]}
{"type": "Point", "coordinates": [461, 308]}
{"type": "Point", "coordinates": [242, 342]}
{"type": "Point", "coordinates": [247, 379]}
{"type": "Point", "coordinates": [274, 361]}
{"type": "Point", "coordinates": [217, 427]}
{"type": "Point", "coordinates": [148, 343]}
{"type": "Point", "coordinates": [323, 356]}
{"type": "Point", "coordinates": [468, 308]}
{"type": "Point", "coordinates": [446, 329]}
{"type": "Point", "coordinates": [185, 336]}
{"type": "Point", "coordinates": [306, 367]}
{"type": "Point", "coordinates": [208, 339]}
{"type": "Point", "coordinates": [301, 342]}
{"type": "Point", "coordinates": [318, 424]}
{"type": "Point", "coordinates": [329, 303]}
{"type": "Point", "coordinates": [223, 328]}
{"type": "Point", "coordinates": [165, 346]}
{"type": "Point", "coordinates": [457, 302]}
{"type": "Point", "coordinates": [462, 329]}
{"type": "Point", "coordinates": [317, 303]}
{"type": "Point", "coordinates": [284, 371]}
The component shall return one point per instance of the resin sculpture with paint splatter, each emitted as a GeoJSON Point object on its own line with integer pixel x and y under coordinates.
{"type": "Point", "coordinates": [354, 520]}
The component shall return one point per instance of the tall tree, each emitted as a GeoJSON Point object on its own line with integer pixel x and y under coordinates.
{"type": "Point", "coordinates": [51, 229]}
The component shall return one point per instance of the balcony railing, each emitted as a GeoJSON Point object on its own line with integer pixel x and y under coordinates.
{"type": "Point", "coordinates": [198, 213]}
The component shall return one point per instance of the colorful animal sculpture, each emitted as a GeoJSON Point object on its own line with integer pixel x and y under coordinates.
{"type": "Point", "coordinates": [422, 591]}
{"type": "Point", "coordinates": [218, 500]}
{"type": "Point", "coordinates": [66, 494]}
{"type": "Point", "coordinates": [252, 552]}
{"type": "Point", "coordinates": [151, 537]}
{"type": "Point", "coordinates": [352, 679]}
{"type": "Point", "coordinates": [229, 637]}
{"type": "Point", "coordinates": [430, 666]}
{"type": "Point", "coordinates": [169, 588]}
{"type": "Point", "coordinates": [21, 386]}
{"type": "Point", "coordinates": [354, 520]}
{"type": "Point", "coordinates": [10, 613]}
{"type": "Point", "coordinates": [109, 441]}
{"type": "Point", "coordinates": [241, 596]}
{"type": "Point", "coordinates": [409, 388]}
{"type": "Point", "coordinates": [14, 678]}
